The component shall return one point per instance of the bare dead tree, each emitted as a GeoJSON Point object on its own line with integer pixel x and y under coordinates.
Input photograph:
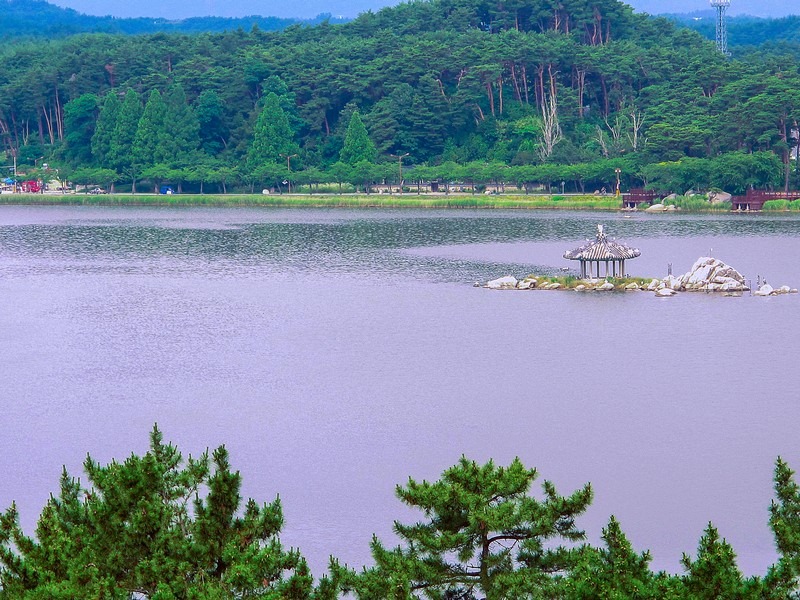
{"type": "Point", "coordinates": [637, 120]}
{"type": "Point", "coordinates": [551, 128]}
{"type": "Point", "coordinates": [602, 140]}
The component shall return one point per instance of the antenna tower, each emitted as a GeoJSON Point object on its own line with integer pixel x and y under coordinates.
{"type": "Point", "coordinates": [722, 25]}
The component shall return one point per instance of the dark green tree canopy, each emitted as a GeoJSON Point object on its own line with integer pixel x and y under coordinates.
{"type": "Point", "coordinates": [154, 525]}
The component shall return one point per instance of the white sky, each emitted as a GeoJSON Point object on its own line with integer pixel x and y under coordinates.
{"type": "Point", "coordinates": [178, 9]}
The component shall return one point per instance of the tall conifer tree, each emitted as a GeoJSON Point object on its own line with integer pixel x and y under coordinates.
{"type": "Point", "coordinates": [272, 136]}
{"type": "Point", "coordinates": [150, 146]}
{"type": "Point", "coordinates": [181, 127]}
{"type": "Point", "coordinates": [357, 144]}
{"type": "Point", "coordinates": [104, 129]}
{"type": "Point", "coordinates": [121, 145]}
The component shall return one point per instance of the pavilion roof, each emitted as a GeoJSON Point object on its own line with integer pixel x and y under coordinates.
{"type": "Point", "coordinates": [602, 248]}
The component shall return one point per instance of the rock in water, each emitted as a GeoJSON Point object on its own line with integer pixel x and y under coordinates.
{"type": "Point", "coordinates": [503, 283]}
{"type": "Point", "coordinates": [709, 275]}
{"type": "Point", "coordinates": [764, 290]}
{"type": "Point", "coordinates": [665, 293]}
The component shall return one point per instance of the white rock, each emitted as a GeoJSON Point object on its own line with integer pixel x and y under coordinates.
{"type": "Point", "coordinates": [764, 290]}
{"type": "Point", "coordinates": [673, 283]}
{"type": "Point", "coordinates": [710, 274]}
{"type": "Point", "coordinates": [784, 289]}
{"type": "Point", "coordinates": [655, 208]}
{"type": "Point", "coordinates": [670, 207]}
{"type": "Point", "coordinates": [554, 286]}
{"type": "Point", "coordinates": [503, 283]}
{"type": "Point", "coordinates": [665, 292]}
{"type": "Point", "coordinates": [632, 286]}
{"type": "Point", "coordinates": [580, 287]}
{"type": "Point", "coordinates": [654, 285]}
{"type": "Point", "coordinates": [733, 286]}
{"type": "Point", "coordinates": [719, 197]}
{"type": "Point", "coordinates": [606, 287]}
{"type": "Point", "coordinates": [524, 285]}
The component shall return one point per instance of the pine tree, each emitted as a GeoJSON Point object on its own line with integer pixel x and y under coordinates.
{"type": "Point", "coordinates": [120, 153]}
{"type": "Point", "coordinates": [273, 139]}
{"type": "Point", "coordinates": [130, 533]}
{"type": "Point", "coordinates": [784, 520]}
{"type": "Point", "coordinates": [358, 146]}
{"type": "Point", "coordinates": [484, 534]}
{"type": "Point", "coordinates": [181, 128]}
{"type": "Point", "coordinates": [151, 145]}
{"type": "Point", "coordinates": [713, 575]}
{"type": "Point", "coordinates": [104, 129]}
{"type": "Point", "coordinates": [613, 572]}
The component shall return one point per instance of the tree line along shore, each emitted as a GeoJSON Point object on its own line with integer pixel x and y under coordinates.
{"type": "Point", "coordinates": [562, 97]}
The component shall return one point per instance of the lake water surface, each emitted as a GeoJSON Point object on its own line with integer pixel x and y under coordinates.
{"type": "Point", "coordinates": [338, 352]}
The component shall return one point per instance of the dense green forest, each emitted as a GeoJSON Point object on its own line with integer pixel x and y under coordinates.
{"type": "Point", "coordinates": [158, 526]}
{"type": "Point", "coordinates": [530, 91]}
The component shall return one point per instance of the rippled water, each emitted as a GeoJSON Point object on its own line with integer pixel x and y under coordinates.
{"type": "Point", "coordinates": [338, 352]}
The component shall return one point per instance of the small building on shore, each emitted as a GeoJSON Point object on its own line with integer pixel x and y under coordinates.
{"type": "Point", "coordinates": [603, 250]}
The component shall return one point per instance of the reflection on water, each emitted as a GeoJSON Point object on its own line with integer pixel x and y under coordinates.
{"type": "Point", "coordinates": [337, 352]}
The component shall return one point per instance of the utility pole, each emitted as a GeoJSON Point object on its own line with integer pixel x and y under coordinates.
{"type": "Point", "coordinates": [722, 25]}
{"type": "Point", "coordinates": [289, 158]}
{"type": "Point", "coordinates": [400, 158]}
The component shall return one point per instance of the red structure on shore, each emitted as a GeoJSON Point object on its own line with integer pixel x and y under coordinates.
{"type": "Point", "coordinates": [637, 196]}
{"type": "Point", "coordinates": [755, 199]}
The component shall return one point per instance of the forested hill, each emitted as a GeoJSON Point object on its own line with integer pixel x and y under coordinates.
{"type": "Point", "coordinates": [522, 83]}
{"type": "Point", "coordinates": [745, 30]}
{"type": "Point", "coordinates": [40, 19]}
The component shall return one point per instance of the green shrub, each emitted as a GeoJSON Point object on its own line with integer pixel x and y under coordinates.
{"type": "Point", "coordinates": [776, 205]}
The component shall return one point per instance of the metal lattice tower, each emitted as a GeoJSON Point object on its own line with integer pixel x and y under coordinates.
{"type": "Point", "coordinates": [722, 25]}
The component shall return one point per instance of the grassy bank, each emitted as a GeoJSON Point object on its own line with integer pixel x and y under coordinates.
{"type": "Point", "coordinates": [323, 200]}
{"type": "Point", "coordinates": [569, 282]}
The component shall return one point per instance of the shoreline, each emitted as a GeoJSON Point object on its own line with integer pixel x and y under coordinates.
{"type": "Point", "coordinates": [456, 201]}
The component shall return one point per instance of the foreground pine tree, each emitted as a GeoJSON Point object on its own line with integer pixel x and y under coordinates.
{"type": "Point", "coordinates": [484, 537]}
{"type": "Point", "coordinates": [153, 526]}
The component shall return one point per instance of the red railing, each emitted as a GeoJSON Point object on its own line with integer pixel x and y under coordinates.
{"type": "Point", "coordinates": [755, 199]}
{"type": "Point", "coordinates": [637, 196]}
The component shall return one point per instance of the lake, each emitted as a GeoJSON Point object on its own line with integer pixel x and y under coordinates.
{"type": "Point", "coordinates": [338, 352]}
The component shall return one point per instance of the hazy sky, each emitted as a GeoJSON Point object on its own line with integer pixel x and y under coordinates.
{"type": "Point", "coordinates": [179, 9]}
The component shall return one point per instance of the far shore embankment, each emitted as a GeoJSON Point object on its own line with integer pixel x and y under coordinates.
{"type": "Point", "coordinates": [407, 200]}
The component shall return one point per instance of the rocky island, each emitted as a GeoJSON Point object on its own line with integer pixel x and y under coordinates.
{"type": "Point", "coordinates": [707, 274]}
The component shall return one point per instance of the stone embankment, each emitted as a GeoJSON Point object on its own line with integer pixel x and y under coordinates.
{"type": "Point", "coordinates": [706, 275]}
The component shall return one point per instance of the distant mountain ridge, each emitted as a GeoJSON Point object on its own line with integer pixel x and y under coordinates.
{"type": "Point", "coordinates": [743, 30]}
{"type": "Point", "coordinates": [37, 18]}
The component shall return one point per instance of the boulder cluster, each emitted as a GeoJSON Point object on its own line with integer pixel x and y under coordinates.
{"type": "Point", "coordinates": [768, 290]}
{"type": "Point", "coordinates": [706, 275]}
